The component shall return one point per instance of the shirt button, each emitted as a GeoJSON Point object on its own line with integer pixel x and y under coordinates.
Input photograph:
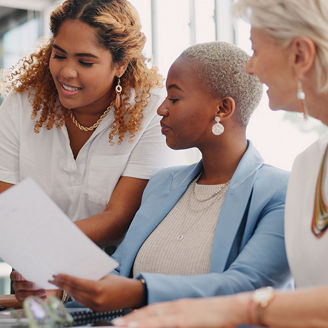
{"type": "Point", "coordinates": [180, 237]}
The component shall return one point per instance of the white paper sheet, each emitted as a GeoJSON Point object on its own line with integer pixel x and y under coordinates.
{"type": "Point", "coordinates": [39, 240]}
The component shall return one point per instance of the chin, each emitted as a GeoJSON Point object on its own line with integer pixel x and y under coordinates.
{"type": "Point", "coordinates": [284, 107]}
{"type": "Point", "coordinates": [274, 107]}
{"type": "Point", "coordinates": [67, 104]}
{"type": "Point", "coordinates": [174, 146]}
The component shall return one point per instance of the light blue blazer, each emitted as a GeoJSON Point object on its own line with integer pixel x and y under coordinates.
{"type": "Point", "coordinates": [248, 248]}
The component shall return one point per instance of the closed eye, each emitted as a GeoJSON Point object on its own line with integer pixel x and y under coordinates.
{"type": "Point", "coordinates": [87, 64]}
{"type": "Point", "coordinates": [173, 100]}
{"type": "Point", "coordinates": [56, 56]}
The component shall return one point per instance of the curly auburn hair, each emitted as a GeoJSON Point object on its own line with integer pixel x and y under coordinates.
{"type": "Point", "coordinates": [119, 31]}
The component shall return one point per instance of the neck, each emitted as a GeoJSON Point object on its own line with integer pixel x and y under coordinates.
{"type": "Point", "coordinates": [316, 102]}
{"type": "Point", "coordinates": [318, 107]}
{"type": "Point", "coordinates": [221, 160]}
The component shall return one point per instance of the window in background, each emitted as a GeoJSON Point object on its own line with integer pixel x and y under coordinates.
{"type": "Point", "coordinates": [204, 22]}
{"type": "Point", "coordinates": [19, 41]}
{"type": "Point", "coordinates": [173, 31]}
{"type": "Point", "coordinates": [19, 33]}
{"type": "Point", "coordinates": [143, 8]}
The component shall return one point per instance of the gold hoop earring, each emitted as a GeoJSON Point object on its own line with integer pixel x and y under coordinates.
{"type": "Point", "coordinates": [118, 90]}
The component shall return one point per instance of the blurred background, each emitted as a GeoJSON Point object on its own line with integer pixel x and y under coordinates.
{"type": "Point", "coordinates": [170, 27]}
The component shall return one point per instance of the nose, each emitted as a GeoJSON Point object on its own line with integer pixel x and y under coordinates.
{"type": "Point", "coordinates": [162, 110]}
{"type": "Point", "coordinates": [68, 72]}
{"type": "Point", "coordinates": [249, 66]}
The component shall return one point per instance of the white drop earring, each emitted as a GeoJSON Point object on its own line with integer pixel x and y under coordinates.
{"type": "Point", "coordinates": [217, 128]}
{"type": "Point", "coordinates": [301, 99]}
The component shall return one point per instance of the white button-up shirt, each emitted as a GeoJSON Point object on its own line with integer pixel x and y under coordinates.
{"type": "Point", "coordinates": [82, 186]}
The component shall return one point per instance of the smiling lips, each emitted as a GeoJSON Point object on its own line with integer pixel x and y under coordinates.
{"type": "Point", "coordinates": [69, 90]}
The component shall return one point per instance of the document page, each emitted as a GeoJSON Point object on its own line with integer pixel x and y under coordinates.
{"type": "Point", "coordinates": [39, 240]}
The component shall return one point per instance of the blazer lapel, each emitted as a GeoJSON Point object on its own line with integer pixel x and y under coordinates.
{"type": "Point", "coordinates": [233, 208]}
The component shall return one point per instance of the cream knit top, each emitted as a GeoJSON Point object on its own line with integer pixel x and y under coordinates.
{"type": "Point", "coordinates": [182, 242]}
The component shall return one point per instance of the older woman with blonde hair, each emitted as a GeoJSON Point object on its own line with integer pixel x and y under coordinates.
{"type": "Point", "coordinates": [290, 44]}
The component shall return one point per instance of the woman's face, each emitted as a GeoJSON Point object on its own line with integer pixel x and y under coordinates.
{"type": "Point", "coordinates": [188, 111]}
{"type": "Point", "coordinates": [271, 63]}
{"type": "Point", "coordinates": [82, 70]}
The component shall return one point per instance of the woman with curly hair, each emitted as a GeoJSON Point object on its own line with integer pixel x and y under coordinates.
{"type": "Point", "coordinates": [91, 100]}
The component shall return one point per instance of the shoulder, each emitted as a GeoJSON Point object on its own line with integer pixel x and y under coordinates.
{"type": "Point", "coordinates": [271, 183]}
{"type": "Point", "coordinates": [312, 154]}
{"type": "Point", "coordinates": [18, 98]}
{"type": "Point", "coordinates": [156, 97]}
{"type": "Point", "coordinates": [153, 100]}
{"type": "Point", "coordinates": [16, 103]}
{"type": "Point", "coordinates": [174, 175]}
{"type": "Point", "coordinates": [306, 167]}
{"type": "Point", "coordinates": [277, 175]}
{"type": "Point", "coordinates": [157, 92]}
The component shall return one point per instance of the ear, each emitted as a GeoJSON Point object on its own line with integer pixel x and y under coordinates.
{"type": "Point", "coordinates": [226, 107]}
{"type": "Point", "coordinates": [304, 52]}
{"type": "Point", "coordinates": [120, 69]}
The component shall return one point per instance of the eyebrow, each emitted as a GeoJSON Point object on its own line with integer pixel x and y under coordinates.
{"type": "Point", "coordinates": [80, 54]}
{"type": "Point", "coordinates": [174, 86]}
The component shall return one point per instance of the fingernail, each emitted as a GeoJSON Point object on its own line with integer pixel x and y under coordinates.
{"type": "Point", "coordinates": [118, 322]}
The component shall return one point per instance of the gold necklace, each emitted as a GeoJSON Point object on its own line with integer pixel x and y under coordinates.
{"type": "Point", "coordinates": [192, 199]}
{"type": "Point", "coordinates": [93, 126]}
{"type": "Point", "coordinates": [207, 202]}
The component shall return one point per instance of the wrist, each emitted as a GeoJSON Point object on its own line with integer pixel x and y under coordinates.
{"type": "Point", "coordinates": [144, 295]}
{"type": "Point", "coordinates": [240, 304]}
{"type": "Point", "coordinates": [258, 302]}
{"type": "Point", "coordinates": [65, 297]}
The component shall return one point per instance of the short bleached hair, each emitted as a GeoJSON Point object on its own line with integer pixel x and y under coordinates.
{"type": "Point", "coordinates": [287, 19]}
{"type": "Point", "coordinates": [222, 68]}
